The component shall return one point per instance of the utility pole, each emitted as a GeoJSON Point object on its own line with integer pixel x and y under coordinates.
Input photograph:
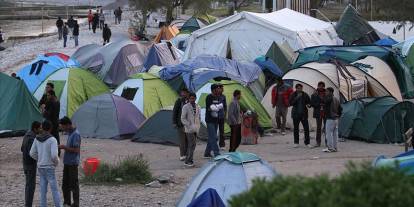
{"type": "Point", "coordinates": [371, 10]}
{"type": "Point", "coordinates": [42, 18]}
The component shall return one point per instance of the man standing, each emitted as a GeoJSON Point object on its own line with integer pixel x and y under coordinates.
{"type": "Point", "coordinates": [70, 183]}
{"type": "Point", "coordinates": [29, 164]}
{"type": "Point", "coordinates": [65, 32]}
{"type": "Point", "coordinates": [118, 15]}
{"type": "Point", "coordinates": [280, 99]}
{"type": "Point", "coordinates": [59, 25]}
{"type": "Point", "coordinates": [106, 34]}
{"type": "Point", "coordinates": [71, 25]}
{"type": "Point", "coordinates": [45, 151]}
{"type": "Point", "coordinates": [101, 19]}
{"type": "Point", "coordinates": [318, 104]}
{"type": "Point", "coordinates": [234, 120]}
{"type": "Point", "coordinates": [222, 116]}
{"type": "Point", "coordinates": [42, 103]}
{"type": "Point", "coordinates": [333, 112]}
{"type": "Point", "coordinates": [51, 113]}
{"type": "Point", "coordinates": [76, 34]}
{"type": "Point", "coordinates": [300, 101]}
{"type": "Point", "coordinates": [190, 117]}
{"type": "Point", "coordinates": [213, 106]}
{"type": "Point", "coordinates": [95, 22]}
{"type": "Point", "coordinates": [90, 18]}
{"type": "Point", "coordinates": [177, 110]}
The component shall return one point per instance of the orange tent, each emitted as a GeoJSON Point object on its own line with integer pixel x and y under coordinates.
{"type": "Point", "coordinates": [166, 33]}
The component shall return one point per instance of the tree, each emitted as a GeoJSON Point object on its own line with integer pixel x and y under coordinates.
{"type": "Point", "coordinates": [400, 11]}
{"type": "Point", "coordinates": [144, 8]}
{"type": "Point", "coordinates": [237, 4]}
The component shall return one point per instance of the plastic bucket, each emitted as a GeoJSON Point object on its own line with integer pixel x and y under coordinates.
{"type": "Point", "coordinates": [90, 165]}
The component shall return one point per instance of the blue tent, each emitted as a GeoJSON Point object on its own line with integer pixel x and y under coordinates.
{"type": "Point", "coordinates": [162, 54]}
{"type": "Point", "coordinates": [198, 71]}
{"type": "Point", "coordinates": [210, 198]}
{"type": "Point", "coordinates": [268, 64]}
{"type": "Point", "coordinates": [388, 42]}
{"type": "Point", "coordinates": [404, 161]}
{"type": "Point", "coordinates": [44, 65]}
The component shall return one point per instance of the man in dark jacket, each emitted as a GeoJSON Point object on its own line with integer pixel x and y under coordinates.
{"type": "Point", "coordinates": [333, 112]}
{"type": "Point", "coordinates": [213, 106]}
{"type": "Point", "coordinates": [106, 34]}
{"type": "Point", "coordinates": [318, 104]}
{"type": "Point", "coordinates": [42, 103]}
{"type": "Point", "coordinates": [300, 101]}
{"type": "Point", "coordinates": [178, 106]}
{"type": "Point", "coordinates": [65, 32]}
{"type": "Point", "coordinates": [95, 22]}
{"type": "Point", "coordinates": [59, 25]}
{"type": "Point", "coordinates": [71, 25]}
{"type": "Point", "coordinates": [76, 34]}
{"type": "Point", "coordinates": [29, 164]}
{"type": "Point", "coordinates": [51, 113]}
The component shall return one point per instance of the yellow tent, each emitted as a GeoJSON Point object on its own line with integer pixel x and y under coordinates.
{"type": "Point", "coordinates": [166, 33]}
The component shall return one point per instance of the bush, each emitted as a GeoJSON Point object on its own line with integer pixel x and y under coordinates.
{"type": "Point", "coordinates": [132, 169]}
{"type": "Point", "coordinates": [361, 185]}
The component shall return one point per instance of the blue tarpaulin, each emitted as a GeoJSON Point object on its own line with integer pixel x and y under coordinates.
{"type": "Point", "coordinates": [38, 70]}
{"type": "Point", "coordinates": [210, 198]}
{"type": "Point", "coordinates": [386, 42]}
{"type": "Point", "coordinates": [198, 71]}
{"type": "Point", "coordinates": [268, 64]}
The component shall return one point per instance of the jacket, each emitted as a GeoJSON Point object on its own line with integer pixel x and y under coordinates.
{"type": "Point", "coordinates": [299, 105]}
{"type": "Point", "coordinates": [51, 113]}
{"type": "Point", "coordinates": [45, 151]}
{"type": "Point", "coordinates": [234, 113]}
{"type": "Point", "coordinates": [178, 106]}
{"type": "Point", "coordinates": [59, 23]}
{"type": "Point", "coordinates": [106, 34]}
{"type": "Point", "coordinates": [191, 120]}
{"type": "Point", "coordinates": [318, 103]}
{"type": "Point", "coordinates": [90, 17]}
{"type": "Point", "coordinates": [71, 23]}
{"type": "Point", "coordinates": [76, 30]}
{"type": "Point", "coordinates": [65, 31]}
{"type": "Point", "coordinates": [333, 107]}
{"type": "Point", "coordinates": [286, 94]}
{"type": "Point", "coordinates": [213, 106]}
{"type": "Point", "coordinates": [27, 143]}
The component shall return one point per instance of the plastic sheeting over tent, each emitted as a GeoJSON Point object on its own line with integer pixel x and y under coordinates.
{"type": "Point", "coordinates": [180, 41]}
{"type": "Point", "coordinates": [380, 120]}
{"type": "Point", "coordinates": [248, 35]}
{"type": "Point", "coordinates": [114, 62]}
{"type": "Point", "coordinates": [147, 92]}
{"type": "Point", "coordinates": [354, 29]}
{"type": "Point", "coordinates": [349, 81]}
{"type": "Point", "coordinates": [405, 46]}
{"type": "Point", "coordinates": [73, 87]}
{"type": "Point", "coordinates": [18, 107]}
{"type": "Point", "coordinates": [228, 174]}
{"type": "Point", "coordinates": [248, 101]}
{"type": "Point", "coordinates": [198, 71]}
{"type": "Point", "coordinates": [349, 54]}
{"type": "Point", "coordinates": [166, 33]}
{"type": "Point", "coordinates": [107, 116]}
{"type": "Point", "coordinates": [39, 69]}
{"type": "Point", "coordinates": [386, 42]}
{"type": "Point", "coordinates": [159, 129]}
{"type": "Point", "coordinates": [162, 54]}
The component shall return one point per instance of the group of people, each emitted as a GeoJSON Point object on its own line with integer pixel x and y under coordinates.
{"type": "Point", "coordinates": [69, 28]}
{"type": "Point", "coordinates": [97, 20]}
{"type": "Point", "coordinates": [326, 110]}
{"type": "Point", "coordinates": [41, 151]}
{"type": "Point", "coordinates": [187, 119]}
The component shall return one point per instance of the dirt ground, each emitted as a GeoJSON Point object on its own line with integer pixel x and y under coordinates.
{"type": "Point", "coordinates": [276, 149]}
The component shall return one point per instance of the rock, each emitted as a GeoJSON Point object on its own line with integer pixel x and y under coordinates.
{"type": "Point", "coordinates": [153, 184]}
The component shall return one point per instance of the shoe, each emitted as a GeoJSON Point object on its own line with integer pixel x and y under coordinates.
{"type": "Point", "coordinates": [295, 145]}
{"type": "Point", "coordinates": [317, 145]}
{"type": "Point", "coordinates": [342, 140]}
{"type": "Point", "coordinates": [222, 148]}
{"type": "Point", "coordinates": [182, 158]}
{"type": "Point", "coordinates": [189, 164]}
{"type": "Point", "coordinates": [328, 150]}
{"type": "Point", "coordinates": [283, 133]}
{"type": "Point", "coordinates": [309, 146]}
{"type": "Point", "coordinates": [207, 156]}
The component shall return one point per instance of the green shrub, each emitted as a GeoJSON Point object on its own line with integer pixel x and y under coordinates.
{"type": "Point", "coordinates": [132, 169]}
{"type": "Point", "coordinates": [361, 185]}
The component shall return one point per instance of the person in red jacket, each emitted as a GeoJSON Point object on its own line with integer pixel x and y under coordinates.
{"type": "Point", "coordinates": [280, 100]}
{"type": "Point", "coordinates": [90, 18]}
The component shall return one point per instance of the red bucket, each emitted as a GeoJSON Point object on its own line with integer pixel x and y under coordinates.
{"type": "Point", "coordinates": [90, 165]}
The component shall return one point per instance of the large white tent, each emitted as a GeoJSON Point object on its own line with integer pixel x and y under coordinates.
{"type": "Point", "coordinates": [247, 35]}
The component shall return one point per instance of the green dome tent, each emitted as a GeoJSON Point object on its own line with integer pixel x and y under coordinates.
{"type": "Point", "coordinates": [147, 92]}
{"type": "Point", "coordinates": [379, 120]}
{"type": "Point", "coordinates": [73, 87]}
{"type": "Point", "coordinates": [247, 102]}
{"type": "Point", "coordinates": [18, 107]}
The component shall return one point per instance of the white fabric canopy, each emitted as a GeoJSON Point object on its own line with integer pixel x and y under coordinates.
{"type": "Point", "coordinates": [250, 35]}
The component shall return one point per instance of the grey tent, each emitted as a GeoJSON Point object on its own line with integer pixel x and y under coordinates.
{"type": "Point", "coordinates": [162, 54]}
{"type": "Point", "coordinates": [159, 129]}
{"type": "Point", "coordinates": [114, 62]}
{"type": "Point", "coordinates": [229, 174]}
{"type": "Point", "coordinates": [107, 116]}
{"type": "Point", "coordinates": [282, 54]}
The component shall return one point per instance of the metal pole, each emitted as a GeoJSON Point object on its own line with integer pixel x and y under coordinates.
{"type": "Point", "coordinates": [42, 19]}
{"type": "Point", "coordinates": [371, 10]}
{"type": "Point", "coordinates": [404, 31]}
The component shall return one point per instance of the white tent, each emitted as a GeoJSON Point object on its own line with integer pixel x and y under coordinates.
{"type": "Point", "coordinates": [247, 35]}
